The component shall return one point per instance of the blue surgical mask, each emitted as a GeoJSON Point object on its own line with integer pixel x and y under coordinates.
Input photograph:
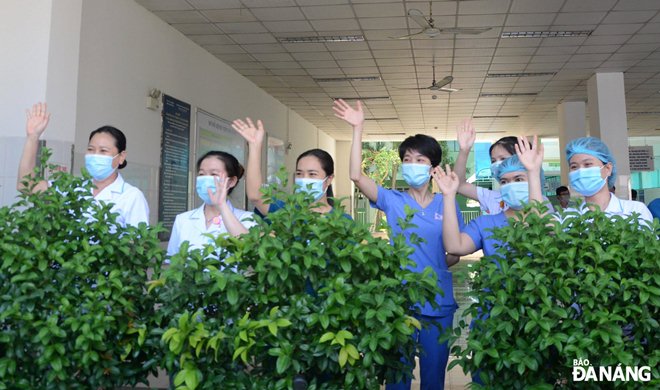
{"type": "Point", "coordinates": [416, 175]}
{"type": "Point", "coordinates": [203, 183]}
{"type": "Point", "coordinates": [316, 188]}
{"type": "Point", "coordinates": [99, 166]}
{"type": "Point", "coordinates": [587, 181]}
{"type": "Point", "coordinates": [515, 194]}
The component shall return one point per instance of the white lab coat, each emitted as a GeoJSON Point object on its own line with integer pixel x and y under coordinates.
{"type": "Point", "coordinates": [191, 226]}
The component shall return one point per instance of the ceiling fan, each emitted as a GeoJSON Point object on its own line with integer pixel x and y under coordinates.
{"type": "Point", "coordinates": [438, 85]}
{"type": "Point", "coordinates": [430, 31]}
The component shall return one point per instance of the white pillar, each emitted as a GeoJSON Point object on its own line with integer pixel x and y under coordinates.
{"type": "Point", "coordinates": [608, 121]}
{"type": "Point", "coordinates": [41, 39]}
{"type": "Point", "coordinates": [571, 117]}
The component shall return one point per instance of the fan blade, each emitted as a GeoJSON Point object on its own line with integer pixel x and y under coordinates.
{"type": "Point", "coordinates": [444, 82]}
{"type": "Point", "coordinates": [445, 89]}
{"type": "Point", "coordinates": [465, 30]}
{"type": "Point", "coordinates": [409, 36]}
{"type": "Point", "coordinates": [418, 17]}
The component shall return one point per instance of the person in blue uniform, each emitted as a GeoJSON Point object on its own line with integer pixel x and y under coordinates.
{"type": "Point", "coordinates": [419, 154]}
{"type": "Point", "coordinates": [520, 179]}
{"type": "Point", "coordinates": [315, 170]}
{"type": "Point", "coordinates": [218, 174]}
{"type": "Point", "coordinates": [105, 156]}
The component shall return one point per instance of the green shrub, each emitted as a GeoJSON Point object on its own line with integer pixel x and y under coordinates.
{"type": "Point", "coordinates": [306, 294]}
{"type": "Point", "coordinates": [74, 312]}
{"type": "Point", "coordinates": [606, 267]}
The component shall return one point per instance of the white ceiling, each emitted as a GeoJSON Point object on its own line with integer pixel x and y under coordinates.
{"type": "Point", "coordinates": [243, 34]}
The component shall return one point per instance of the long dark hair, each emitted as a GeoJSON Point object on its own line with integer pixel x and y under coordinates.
{"type": "Point", "coordinates": [232, 166]}
{"type": "Point", "coordinates": [120, 139]}
{"type": "Point", "coordinates": [327, 164]}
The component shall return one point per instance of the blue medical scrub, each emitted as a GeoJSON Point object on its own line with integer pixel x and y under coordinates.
{"type": "Point", "coordinates": [480, 231]}
{"type": "Point", "coordinates": [430, 253]}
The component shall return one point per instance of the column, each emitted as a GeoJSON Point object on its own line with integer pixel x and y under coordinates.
{"type": "Point", "coordinates": [608, 121]}
{"type": "Point", "coordinates": [571, 117]}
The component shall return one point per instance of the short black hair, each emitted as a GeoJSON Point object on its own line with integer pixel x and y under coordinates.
{"type": "Point", "coordinates": [633, 194]}
{"type": "Point", "coordinates": [232, 166]}
{"type": "Point", "coordinates": [118, 135]}
{"type": "Point", "coordinates": [508, 143]}
{"type": "Point", "coordinates": [424, 145]}
{"type": "Point", "coordinates": [561, 189]}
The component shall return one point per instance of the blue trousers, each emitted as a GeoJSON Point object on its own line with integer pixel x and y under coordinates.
{"type": "Point", "coordinates": [434, 356]}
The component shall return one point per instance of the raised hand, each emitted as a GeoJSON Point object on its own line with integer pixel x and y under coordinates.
{"type": "Point", "coordinates": [252, 134]}
{"type": "Point", "coordinates": [466, 135]}
{"type": "Point", "coordinates": [530, 155]}
{"type": "Point", "coordinates": [343, 110]}
{"type": "Point", "coordinates": [446, 180]}
{"type": "Point", "coordinates": [37, 120]}
{"type": "Point", "coordinates": [219, 197]}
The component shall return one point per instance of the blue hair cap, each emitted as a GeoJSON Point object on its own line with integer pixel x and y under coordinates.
{"type": "Point", "coordinates": [513, 164]}
{"type": "Point", "coordinates": [593, 147]}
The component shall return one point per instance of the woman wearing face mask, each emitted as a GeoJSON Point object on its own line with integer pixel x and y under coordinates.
{"type": "Point", "coordinates": [418, 155]}
{"type": "Point", "coordinates": [106, 154]}
{"type": "Point", "coordinates": [218, 174]}
{"type": "Point", "coordinates": [314, 171]}
{"type": "Point", "coordinates": [520, 177]}
{"type": "Point", "coordinates": [592, 172]}
{"type": "Point", "coordinates": [490, 200]}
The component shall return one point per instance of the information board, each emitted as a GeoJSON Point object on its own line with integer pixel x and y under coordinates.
{"type": "Point", "coordinates": [641, 158]}
{"type": "Point", "coordinates": [174, 167]}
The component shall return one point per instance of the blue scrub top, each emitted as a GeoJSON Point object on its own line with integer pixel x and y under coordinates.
{"type": "Point", "coordinates": [430, 253]}
{"type": "Point", "coordinates": [480, 231]}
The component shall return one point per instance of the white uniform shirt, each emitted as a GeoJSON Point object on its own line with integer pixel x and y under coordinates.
{"type": "Point", "coordinates": [191, 226]}
{"type": "Point", "coordinates": [127, 200]}
{"type": "Point", "coordinates": [491, 202]}
{"type": "Point", "coordinates": [620, 207]}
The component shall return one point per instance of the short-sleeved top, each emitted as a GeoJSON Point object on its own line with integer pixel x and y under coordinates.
{"type": "Point", "coordinates": [480, 231]}
{"type": "Point", "coordinates": [491, 202]}
{"type": "Point", "coordinates": [127, 200]}
{"type": "Point", "coordinates": [620, 207]}
{"type": "Point", "coordinates": [431, 252]}
{"type": "Point", "coordinates": [191, 226]}
{"type": "Point", "coordinates": [654, 208]}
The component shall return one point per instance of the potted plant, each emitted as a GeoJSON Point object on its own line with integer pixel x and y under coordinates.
{"type": "Point", "coordinates": [74, 312]}
{"type": "Point", "coordinates": [304, 298]}
{"type": "Point", "coordinates": [565, 297]}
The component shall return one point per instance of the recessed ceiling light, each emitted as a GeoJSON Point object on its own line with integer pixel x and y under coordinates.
{"type": "Point", "coordinates": [521, 74]}
{"type": "Point", "coordinates": [546, 34]}
{"type": "Point", "coordinates": [341, 79]}
{"type": "Point", "coordinates": [494, 116]}
{"type": "Point", "coordinates": [322, 39]}
{"type": "Point", "coordinates": [508, 94]}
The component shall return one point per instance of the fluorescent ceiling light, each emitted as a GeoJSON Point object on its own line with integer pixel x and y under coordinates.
{"type": "Point", "coordinates": [326, 38]}
{"type": "Point", "coordinates": [365, 98]}
{"type": "Point", "coordinates": [546, 34]}
{"type": "Point", "coordinates": [398, 133]}
{"type": "Point", "coordinates": [494, 116]}
{"type": "Point", "coordinates": [508, 94]}
{"type": "Point", "coordinates": [341, 79]}
{"type": "Point", "coordinates": [382, 119]}
{"type": "Point", "coordinates": [644, 113]}
{"type": "Point", "coordinates": [521, 74]}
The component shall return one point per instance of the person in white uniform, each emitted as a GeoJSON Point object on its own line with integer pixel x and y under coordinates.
{"type": "Point", "coordinates": [106, 154]}
{"type": "Point", "coordinates": [218, 175]}
{"type": "Point", "coordinates": [592, 172]}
